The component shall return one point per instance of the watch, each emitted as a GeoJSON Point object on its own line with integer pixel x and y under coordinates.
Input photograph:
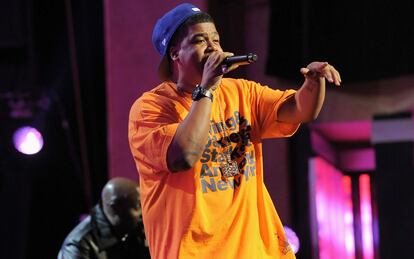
{"type": "Point", "coordinates": [200, 92]}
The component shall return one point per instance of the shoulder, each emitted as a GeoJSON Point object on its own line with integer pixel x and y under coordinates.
{"type": "Point", "coordinates": [77, 242]}
{"type": "Point", "coordinates": [80, 232]}
{"type": "Point", "coordinates": [163, 90]}
{"type": "Point", "coordinates": [158, 96]}
{"type": "Point", "coordinates": [239, 83]}
{"type": "Point", "coordinates": [233, 86]}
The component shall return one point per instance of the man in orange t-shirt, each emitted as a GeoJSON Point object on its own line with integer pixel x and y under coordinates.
{"type": "Point", "coordinates": [197, 142]}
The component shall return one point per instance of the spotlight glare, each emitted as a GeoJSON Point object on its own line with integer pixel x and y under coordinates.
{"type": "Point", "coordinates": [28, 140]}
{"type": "Point", "coordinates": [292, 238]}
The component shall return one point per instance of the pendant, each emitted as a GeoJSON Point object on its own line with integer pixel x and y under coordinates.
{"type": "Point", "coordinates": [229, 168]}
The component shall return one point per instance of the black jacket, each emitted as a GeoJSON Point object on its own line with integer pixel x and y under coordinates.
{"type": "Point", "coordinates": [93, 238]}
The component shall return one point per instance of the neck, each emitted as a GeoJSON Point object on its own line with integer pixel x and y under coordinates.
{"type": "Point", "coordinates": [186, 86]}
{"type": "Point", "coordinates": [186, 83]}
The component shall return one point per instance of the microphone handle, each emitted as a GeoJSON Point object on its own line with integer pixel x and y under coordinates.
{"type": "Point", "coordinates": [240, 60]}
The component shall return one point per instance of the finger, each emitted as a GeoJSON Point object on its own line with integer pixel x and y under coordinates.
{"type": "Point", "coordinates": [222, 55]}
{"type": "Point", "coordinates": [310, 73]}
{"type": "Point", "coordinates": [225, 69]}
{"type": "Point", "coordinates": [212, 59]}
{"type": "Point", "coordinates": [218, 58]}
{"type": "Point", "coordinates": [324, 64]}
{"type": "Point", "coordinates": [337, 77]}
{"type": "Point", "coordinates": [333, 75]}
{"type": "Point", "coordinates": [225, 55]}
{"type": "Point", "coordinates": [304, 70]}
{"type": "Point", "coordinates": [320, 66]}
{"type": "Point", "coordinates": [228, 54]}
{"type": "Point", "coordinates": [329, 76]}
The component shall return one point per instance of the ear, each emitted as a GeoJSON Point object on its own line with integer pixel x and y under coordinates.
{"type": "Point", "coordinates": [173, 52]}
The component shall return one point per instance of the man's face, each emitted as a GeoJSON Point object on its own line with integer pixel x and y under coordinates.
{"type": "Point", "coordinates": [192, 52]}
{"type": "Point", "coordinates": [129, 212]}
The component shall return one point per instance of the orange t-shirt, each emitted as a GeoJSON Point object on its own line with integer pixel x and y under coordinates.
{"type": "Point", "coordinates": [197, 213]}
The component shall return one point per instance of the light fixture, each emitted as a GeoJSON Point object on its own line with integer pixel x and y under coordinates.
{"type": "Point", "coordinates": [28, 140]}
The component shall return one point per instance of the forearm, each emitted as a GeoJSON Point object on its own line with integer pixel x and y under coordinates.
{"type": "Point", "coordinates": [309, 99]}
{"type": "Point", "coordinates": [190, 137]}
{"type": "Point", "coordinates": [306, 103]}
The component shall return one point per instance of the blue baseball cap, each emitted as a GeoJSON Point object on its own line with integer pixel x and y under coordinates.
{"type": "Point", "coordinates": [165, 28]}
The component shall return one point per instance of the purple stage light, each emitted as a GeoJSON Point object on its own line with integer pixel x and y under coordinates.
{"type": "Point", "coordinates": [28, 140]}
{"type": "Point", "coordinates": [292, 239]}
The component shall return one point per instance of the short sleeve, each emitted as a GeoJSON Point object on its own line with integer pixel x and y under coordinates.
{"type": "Point", "coordinates": [266, 103]}
{"type": "Point", "coordinates": [152, 126]}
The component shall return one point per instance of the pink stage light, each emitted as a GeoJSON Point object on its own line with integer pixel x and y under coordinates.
{"type": "Point", "coordinates": [333, 211]}
{"type": "Point", "coordinates": [28, 140]}
{"type": "Point", "coordinates": [366, 217]}
{"type": "Point", "coordinates": [292, 239]}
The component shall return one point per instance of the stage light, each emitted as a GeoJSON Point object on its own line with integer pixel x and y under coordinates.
{"type": "Point", "coordinates": [292, 239]}
{"type": "Point", "coordinates": [28, 140]}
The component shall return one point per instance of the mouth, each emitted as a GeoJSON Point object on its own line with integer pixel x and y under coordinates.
{"type": "Point", "coordinates": [204, 60]}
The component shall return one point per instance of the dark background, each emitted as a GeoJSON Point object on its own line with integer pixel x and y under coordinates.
{"type": "Point", "coordinates": [52, 57]}
{"type": "Point", "coordinates": [367, 40]}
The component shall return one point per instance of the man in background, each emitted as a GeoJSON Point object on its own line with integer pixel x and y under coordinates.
{"type": "Point", "coordinates": [113, 229]}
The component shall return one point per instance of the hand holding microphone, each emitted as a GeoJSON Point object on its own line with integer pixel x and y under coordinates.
{"type": "Point", "coordinates": [229, 63]}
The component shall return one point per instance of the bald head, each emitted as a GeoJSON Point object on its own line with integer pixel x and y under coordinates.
{"type": "Point", "coordinates": [120, 202]}
{"type": "Point", "coordinates": [119, 189]}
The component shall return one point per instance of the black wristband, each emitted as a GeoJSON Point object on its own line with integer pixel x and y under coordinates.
{"type": "Point", "coordinates": [200, 92]}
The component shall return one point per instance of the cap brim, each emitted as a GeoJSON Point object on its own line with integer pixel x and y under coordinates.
{"type": "Point", "coordinates": [164, 72]}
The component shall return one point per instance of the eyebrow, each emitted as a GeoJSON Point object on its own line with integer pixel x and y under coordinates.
{"type": "Point", "coordinates": [203, 35]}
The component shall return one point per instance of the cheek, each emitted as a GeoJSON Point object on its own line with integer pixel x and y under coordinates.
{"type": "Point", "coordinates": [188, 58]}
{"type": "Point", "coordinates": [196, 55]}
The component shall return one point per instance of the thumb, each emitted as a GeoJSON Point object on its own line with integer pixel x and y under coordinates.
{"type": "Point", "coordinates": [304, 70]}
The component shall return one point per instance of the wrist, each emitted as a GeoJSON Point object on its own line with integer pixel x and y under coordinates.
{"type": "Point", "coordinates": [201, 92]}
{"type": "Point", "coordinates": [207, 86]}
{"type": "Point", "coordinates": [312, 83]}
{"type": "Point", "coordinates": [211, 84]}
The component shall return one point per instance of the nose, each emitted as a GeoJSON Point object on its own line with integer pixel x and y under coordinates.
{"type": "Point", "coordinates": [211, 45]}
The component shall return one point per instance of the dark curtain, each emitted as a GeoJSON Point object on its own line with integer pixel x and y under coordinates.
{"type": "Point", "coordinates": [394, 195]}
{"type": "Point", "coordinates": [301, 151]}
{"type": "Point", "coordinates": [43, 195]}
{"type": "Point", "coordinates": [365, 40]}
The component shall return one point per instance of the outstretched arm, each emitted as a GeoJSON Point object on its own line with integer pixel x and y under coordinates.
{"type": "Point", "coordinates": [308, 100]}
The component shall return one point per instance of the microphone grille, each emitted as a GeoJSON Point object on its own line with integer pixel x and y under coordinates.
{"type": "Point", "coordinates": [252, 57]}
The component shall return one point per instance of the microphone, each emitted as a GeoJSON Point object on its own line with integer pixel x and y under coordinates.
{"type": "Point", "coordinates": [240, 60]}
